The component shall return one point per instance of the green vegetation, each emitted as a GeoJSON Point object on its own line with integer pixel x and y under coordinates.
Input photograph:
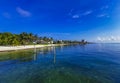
{"type": "Point", "coordinates": [9, 39]}
{"type": "Point", "coordinates": [22, 39]}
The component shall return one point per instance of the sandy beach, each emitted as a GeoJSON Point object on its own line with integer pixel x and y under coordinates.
{"type": "Point", "coordinates": [13, 48]}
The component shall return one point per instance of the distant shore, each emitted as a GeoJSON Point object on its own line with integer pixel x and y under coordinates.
{"type": "Point", "coordinates": [14, 48]}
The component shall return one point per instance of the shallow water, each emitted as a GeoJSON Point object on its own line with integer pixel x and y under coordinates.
{"type": "Point", "coordinates": [92, 63]}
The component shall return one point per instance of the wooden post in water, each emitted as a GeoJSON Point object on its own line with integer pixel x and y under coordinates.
{"type": "Point", "coordinates": [35, 51]}
{"type": "Point", "coordinates": [34, 47]}
{"type": "Point", "coordinates": [35, 56]}
{"type": "Point", "coordinates": [54, 53]}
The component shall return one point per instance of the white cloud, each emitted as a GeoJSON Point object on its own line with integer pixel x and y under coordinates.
{"type": "Point", "coordinates": [87, 12]}
{"type": "Point", "coordinates": [103, 15]}
{"type": "Point", "coordinates": [109, 39]}
{"type": "Point", "coordinates": [57, 34]}
{"type": "Point", "coordinates": [23, 12]}
{"type": "Point", "coordinates": [70, 13]}
{"type": "Point", "coordinates": [104, 7]}
{"type": "Point", "coordinates": [99, 38]}
{"type": "Point", "coordinates": [75, 16]}
{"type": "Point", "coordinates": [78, 15]}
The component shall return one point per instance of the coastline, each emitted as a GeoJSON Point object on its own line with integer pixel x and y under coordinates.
{"type": "Point", "coordinates": [14, 48]}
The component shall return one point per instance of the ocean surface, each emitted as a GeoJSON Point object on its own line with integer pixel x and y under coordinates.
{"type": "Point", "coordinates": [92, 63]}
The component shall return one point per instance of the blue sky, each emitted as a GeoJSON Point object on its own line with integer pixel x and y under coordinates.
{"type": "Point", "coordinates": [92, 20]}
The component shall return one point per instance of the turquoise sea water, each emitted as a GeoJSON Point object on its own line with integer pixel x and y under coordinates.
{"type": "Point", "coordinates": [92, 63]}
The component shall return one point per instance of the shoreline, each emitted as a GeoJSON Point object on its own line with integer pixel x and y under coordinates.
{"type": "Point", "coordinates": [15, 48]}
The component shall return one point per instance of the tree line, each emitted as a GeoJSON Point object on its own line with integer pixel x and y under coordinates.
{"type": "Point", "coordinates": [8, 39]}
{"type": "Point", "coordinates": [23, 38]}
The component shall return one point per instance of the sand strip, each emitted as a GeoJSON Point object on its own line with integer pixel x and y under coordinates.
{"type": "Point", "coordinates": [13, 48]}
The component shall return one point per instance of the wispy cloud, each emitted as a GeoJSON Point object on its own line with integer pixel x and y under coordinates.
{"type": "Point", "coordinates": [6, 15]}
{"type": "Point", "coordinates": [75, 16]}
{"type": "Point", "coordinates": [104, 7]}
{"type": "Point", "coordinates": [23, 12]}
{"type": "Point", "coordinates": [103, 15]}
{"type": "Point", "coordinates": [87, 12]}
{"type": "Point", "coordinates": [71, 11]}
{"type": "Point", "coordinates": [56, 34]}
{"type": "Point", "coordinates": [78, 15]}
{"type": "Point", "coordinates": [109, 39]}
